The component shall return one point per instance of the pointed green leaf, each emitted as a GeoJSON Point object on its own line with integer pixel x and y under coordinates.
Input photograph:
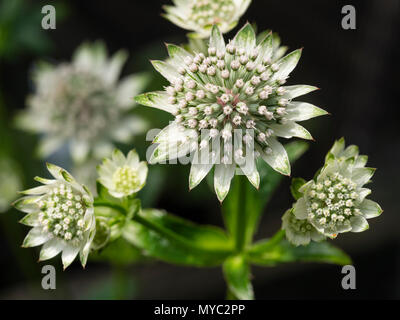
{"type": "Point", "coordinates": [280, 250]}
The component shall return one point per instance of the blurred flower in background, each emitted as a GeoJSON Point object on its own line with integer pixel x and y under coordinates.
{"type": "Point", "coordinates": [83, 104]}
{"type": "Point", "coordinates": [200, 15]}
{"type": "Point", "coordinates": [10, 183]}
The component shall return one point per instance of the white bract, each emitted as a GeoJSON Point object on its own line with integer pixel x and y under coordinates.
{"type": "Point", "coordinates": [123, 176]}
{"type": "Point", "coordinates": [200, 15]}
{"type": "Point", "coordinates": [335, 200]}
{"type": "Point", "coordinates": [235, 95]}
{"type": "Point", "coordinates": [62, 216]}
{"type": "Point", "coordinates": [83, 104]}
{"type": "Point", "coordinates": [299, 232]}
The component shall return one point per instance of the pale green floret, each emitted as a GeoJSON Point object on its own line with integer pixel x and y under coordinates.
{"type": "Point", "coordinates": [125, 179]}
{"type": "Point", "coordinates": [200, 15]}
{"type": "Point", "coordinates": [230, 105]}
{"type": "Point", "coordinates": [123, 176]}
{"type": "Point", "coordinates": [335, 201]}
{"type": "Point", "coordinates": [299, 232]}
{"type": "Point", "coordinates": [62, 216]}
{"type": "Point", "coordinates": [209, 12]}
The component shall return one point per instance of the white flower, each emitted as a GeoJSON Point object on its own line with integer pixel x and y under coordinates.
{"type": "Point", "coordinates": [227, 101]}
{"type": "Point", "coordinates": [83, 104]}
{"type": "Point", "coordinates": [62, 216]}
{"type": "Point", "coordinates": [299, 232]}
{"type": "Point", "coordinates": [335, 201]}
{"type": "Point", "coordinates": [10, 183]}
{"type": "Point", "coordinates": [200, 15]}
{"type": "Point", "coordinates": [123, 176]}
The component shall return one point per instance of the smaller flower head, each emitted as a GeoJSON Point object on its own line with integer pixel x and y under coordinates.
{"type": "Point", "coordinates": [62, 216]}
{"type": "Point", "coordinates": [200, 15]}
{"type": "Point", "coordinates": [335, 200]}
{"type": "Point", "coordinates": [123, 176]}
{"type": "Point", "coordinates": [299, 232]}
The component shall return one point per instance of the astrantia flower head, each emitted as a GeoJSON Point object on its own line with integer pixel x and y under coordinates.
{"type": "Point", "coordinates": [234, 94]}
{"type": "Point", "coordinates": [62, 216]}
{"type": "Point", "coordinates": [123, 176]}
{"type": "Point", "coordinates": [299, 232]}
{"type": "Point", "coordinates": [335, 200]}
{"type": "Point", "coordinates": [200, 15]}
{"type": "Point", "coordinates": [83, 104]}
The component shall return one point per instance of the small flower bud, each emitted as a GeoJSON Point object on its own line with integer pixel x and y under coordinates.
{"type": "Point", "coordinates": [189, 96]}
{"type": "Point", "coordinates": [235, 64]}
{"type": "Point", "coordinates": [212, 51]}
{"type": "Point", "coordinates": [262, 110]}
{"type": "Point", "coordinates": [239, 83]}
{"type": "Point", "coordinates": [200, 94]}
{"type": "Point", "coordinates": [193, 67]}
{"type": "Point", "coordinates": [275, 67]}
{"type": "Point", "coordinates": [237, 120]}
{"type": "Point", "coordinates": [249, 91]}
{"type": "Point", "coordinates": [225, 74]}
{"type": "Point", "coordinates": [192, 123]}
{"type": "Point", "coordinates": [283, 102]}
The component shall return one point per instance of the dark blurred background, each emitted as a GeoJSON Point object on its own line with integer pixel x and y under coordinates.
{"type": "Point", "coordinates": [357, 73]}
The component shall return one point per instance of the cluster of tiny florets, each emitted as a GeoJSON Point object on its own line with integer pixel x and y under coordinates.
{"type": "Point", "coordinates": [125, 179]}
{"type": "Point", "coordinates": [209, 12]}
{"type": "Point", "coordinates": [332, 201]}
{"type": "Point", "coordinates": [228, 90]}
{"type": "Point", "coordinates": [77, 104]}
{"type": "Point", "coordinates": [62, 213]}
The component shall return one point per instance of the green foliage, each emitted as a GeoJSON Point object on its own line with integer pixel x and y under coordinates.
{"type": "Point", "coordinates": [118, 252]}
{"type": "Point", "coordinates": [20, 30]}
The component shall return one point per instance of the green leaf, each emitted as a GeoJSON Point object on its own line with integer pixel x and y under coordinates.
{"type": "Point", "coordinates": [175, 240]}
{"type": "Point", "coordinates": [295, 186]}
{"type": "Point", "coordinates": [237, 276]}
{"type": "Point", "coordinates": [118, 252]}
{"type": "Point", "coordinates": [279, 250]}
{"type": "Point", "coordinates": [201, 236]}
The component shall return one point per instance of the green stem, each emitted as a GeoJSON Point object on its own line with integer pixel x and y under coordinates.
{"type": "Point", "coordinates": [110, 205]}
{"type": "Point", "coordinates": [240, 225]}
